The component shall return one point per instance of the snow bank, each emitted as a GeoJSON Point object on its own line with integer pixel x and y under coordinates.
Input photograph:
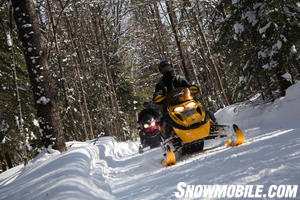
{"type": "Point", "coordinates": [116, 149]}
{"type": "Point", "coordinates": [293, 92]}
{"type": "Point", "coordinates": [78, 173]}
{"type": "Point", "coordinates": [278, 113]}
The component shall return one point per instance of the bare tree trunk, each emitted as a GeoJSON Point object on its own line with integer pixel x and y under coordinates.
{"type": "Point", "coordinates": [174, 29]}
{"type": "Point", "coordinates": [62, 76]}
{"type": "Point", "coordinates": [19, 106]}
{"type": "Point", "coordinates": [210, 57]}
{"type": "Point", "coordinates": [228, 93]}
{"type": "Point", "coordinates": [86, 135]}
{"type": "Point", "coordinates": [200, 60]}
{"type": "Point", "coordinates": [159, 28]}
{"type": "Point", "coordinates": [40, 76]}
{"type": "Point", "coordinates": [72, 36]}
{"type": "Point", "coordinates": [104, 66]}
{"type": "Point", "coordinates": [3, 162]}
{"type": "Point", "coordinates": [8, 160]}
{"type": "Point", "coordinates": [109, 79]}
{"type": "Point", "coordinates": [91, 132]}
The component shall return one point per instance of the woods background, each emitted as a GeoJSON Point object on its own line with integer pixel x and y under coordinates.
{"type": "Point", "coordinates": [77, 70]}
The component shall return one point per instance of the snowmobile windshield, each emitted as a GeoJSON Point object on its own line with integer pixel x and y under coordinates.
{"type": "Point", "coordinates": [178, 96]}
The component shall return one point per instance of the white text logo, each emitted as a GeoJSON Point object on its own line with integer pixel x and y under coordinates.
{"type": "Point", "coordinates": [235, 191]}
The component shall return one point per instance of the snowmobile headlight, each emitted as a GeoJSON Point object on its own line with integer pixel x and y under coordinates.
{"type": "Point", "coordinates": [191, 105]}
{"type": "Point", "coordinates": [152, 123]}
{"type": "Point", "coordinates": [179, 109]}
{"type": "Point", "coordinates": [146, 125]}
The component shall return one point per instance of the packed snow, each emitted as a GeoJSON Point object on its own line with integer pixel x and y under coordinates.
{"type": "Point", "coordinates": [8, 39]}
{"type": "Point", "coordinates": [287, 76]}
{"type": "Point", "coordinates": [263, 29]}
{"type": "Point", "coordinates": [106, 169]}
{"type": "Point", "coordinates": [43, 100]}
{"type": "Point", "coordinates": [238, 28]}
{"type": "Point", "coordinates": [27, 25]}
{"type": "Point", "coordinates": [263, 53]}
{"type": "Point", "coordinates": [4, 126]}
{"type": "Point", "coordinates": [293, 49]}
{"type": "Point", "coordinates": [277, 45]}
{"type": "Point", "coordinates": [251, 17]}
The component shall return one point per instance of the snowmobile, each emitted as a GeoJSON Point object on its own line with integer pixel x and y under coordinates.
{"type": "Point", "coordinates": [149, 132]}
{"type": "Point", "coordinates": [191, 125]}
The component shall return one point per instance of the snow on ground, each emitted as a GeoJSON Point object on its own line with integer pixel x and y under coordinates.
{"type": "Point", "coordinates": [105, 169]}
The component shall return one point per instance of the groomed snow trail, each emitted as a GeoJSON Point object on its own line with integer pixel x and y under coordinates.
{"type": "Point", "coordinates": [105, 169]}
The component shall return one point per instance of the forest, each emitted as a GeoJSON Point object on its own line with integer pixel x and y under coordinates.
{"type": "Point", "coordinates": [79, 70]}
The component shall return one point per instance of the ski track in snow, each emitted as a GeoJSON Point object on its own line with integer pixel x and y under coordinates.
{"type": "Point", "coordinates": [105, 169]}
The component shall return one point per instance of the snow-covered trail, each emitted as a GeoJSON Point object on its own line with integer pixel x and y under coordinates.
{"type": "Point", "coordinates": [105, 169]}
{"type": "Point", "coordinates": [270, 157]}
{"type": "Point", "coordinates": [264, 159]}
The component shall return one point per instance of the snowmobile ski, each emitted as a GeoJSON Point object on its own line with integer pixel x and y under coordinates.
{"type": "Point", "coordinates": [239, 137]}
{"type": "Point", "coordinates": [170, 159]}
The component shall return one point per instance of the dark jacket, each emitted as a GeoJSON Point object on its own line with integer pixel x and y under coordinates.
{"type": "Point", "coordinates": [167, 83]}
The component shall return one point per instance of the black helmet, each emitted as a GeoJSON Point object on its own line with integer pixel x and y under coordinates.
{"type": "Point", "coordinates": [147, 104]}
{"type": "Point", "coordinates": [165, 66]}
{"type": "Point", "coordinates": [147, 118]}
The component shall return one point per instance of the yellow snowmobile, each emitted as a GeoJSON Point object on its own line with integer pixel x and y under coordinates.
{"type": "Point", "coordinates": [191, 125]}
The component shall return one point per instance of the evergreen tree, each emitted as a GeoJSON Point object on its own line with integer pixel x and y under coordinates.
{"type": "Point", "coordinates": [259, 42]}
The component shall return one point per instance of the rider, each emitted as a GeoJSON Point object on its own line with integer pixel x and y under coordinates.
{"type": "Point", "coordinates": [146, 115]}
{"type": "Point", "coordinates": [147, 110]}
{"type": "Point", "coordinates": [165, 85]}
{"type": "Point", "coordinates": [169, 79]}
